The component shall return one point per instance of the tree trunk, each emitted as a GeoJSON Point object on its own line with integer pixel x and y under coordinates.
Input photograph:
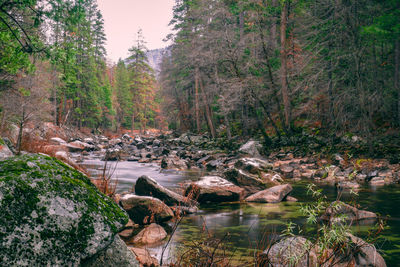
{"type": "Point", "coordinates": [133, 123]}
{"type": "Point", "coordinates": [196, 99]}
{"type": "Point", "coordinates": [283, 71]}
{"type": "Point", "coordinates": [20, 132]}
{"type": "Point", "coordinates": [273, 29]}
{"type": "Point", "coordinates": [396, 74]}
{"type": "Point", "coordinates": [207, 109]}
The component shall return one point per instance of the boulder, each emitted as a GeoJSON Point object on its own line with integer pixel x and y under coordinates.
{"type": "Point", "coordinates": [287, 171]}
{"type": "Point", "coordinates": [298, 251]}
{"type": "Point", "coordinates": [251, 183]}
{"type": "Point", "coordinates": [78, 146]}
{"type": "Point", "coordinates": [113, 154]}
{"type": "Point", "coordinates": [5, 152]}
{"type": "Point", "coordinates": [144, 257]}
{"type": "Point", "coordinates": [339, 211]}
{"type": "Point", "coordinates": [145, 210]}
{"type": "Point", "coordinates": [348, 185]}
{"type": "Point", "coordinates": [251, 148]}
{"type": "Point", "coordinates": [253, 165]}
{"type": "Point", "coordinates": [271, 195]}
{"type": "Point", "coordinates": [290, 251]}
{"type": "Point", "coordinates": [146, 186]}
{"type": "Point", "coordinates": [58, 141]}
{"type": "Point", "coordinates": [51, 214]}
{"type": "Point", "coordinates": [214, 189]}
{"type": "Point", "coordinates": [116, 254]}
{"type": "Point", "coordinates": [151, 234]}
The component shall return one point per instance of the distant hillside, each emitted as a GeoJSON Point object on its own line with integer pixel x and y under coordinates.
{"type": "Point", "coordinates": [155, 58]}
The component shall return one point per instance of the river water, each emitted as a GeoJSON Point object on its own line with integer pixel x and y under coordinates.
{"type": "Point", "coordinates": [252, 226]}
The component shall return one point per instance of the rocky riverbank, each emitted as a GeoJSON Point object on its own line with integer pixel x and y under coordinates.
{"type": "Point", "coordinates": [240, 176]}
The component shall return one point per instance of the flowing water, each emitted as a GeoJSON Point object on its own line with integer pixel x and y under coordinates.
{"type": "Point", "coordinates": [252, 226]}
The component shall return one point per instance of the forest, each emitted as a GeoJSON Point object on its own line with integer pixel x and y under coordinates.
{"type": "Point", "coordinates": [270, 130]}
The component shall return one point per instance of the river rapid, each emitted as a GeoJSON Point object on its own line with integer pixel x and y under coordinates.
{"type": "Point", "coordinates": [252, 226]}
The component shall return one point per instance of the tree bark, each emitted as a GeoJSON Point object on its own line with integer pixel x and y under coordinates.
{"type": "Point", "coordinates": [283, 70]}
{"type": "Point", "coordinates": [207, 109]}
{"type": "Point", "coordinates": [396, 74]}
{"type": "Point", "coordinates": [196, 99]}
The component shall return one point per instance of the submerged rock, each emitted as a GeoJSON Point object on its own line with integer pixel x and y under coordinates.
{"type": "Point", "coordinates": [214, 189]}
{"type": "Point", "coordinates": [51, 214]}
{"type": "Point", "coordinates": [144, 257]}
{"type": "Point", "coordinates": [145, 210]}
{"type": "Point", "coordinates": [146, 186]}
{"type": "Point", "coordinates": [271, 195]}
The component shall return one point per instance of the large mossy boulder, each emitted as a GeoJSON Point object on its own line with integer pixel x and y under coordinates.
{"type": "Point", "coordinates": [51, 214]}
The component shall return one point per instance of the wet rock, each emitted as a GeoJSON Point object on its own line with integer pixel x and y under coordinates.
{"type": "Point", "coordinates": [214, 189]}
{"type": "Point", "coordinates": [339, 211]}
{"type": "Point", "coordinates": [151, 234]}
{"type": "Point", "coordinates": [251, 183]}
{"type": "Point", "coordinates": [271, 195]}
{"type": "Point", "coordinates": [251, 148]}
{"type": "Point", "coordinates": [174, 163]}
{"type": "Point", "coordinates": [116, 254]}
{"type": "Point", "coordinates": [51, 214]}
{"type": "Point", "coordinates": [112, 155]}
{"type": "Point", "coordinates": [366, 254]}
{"type": "Point", "coordinates": [378, 181]}
{"type": "Point", "coordinates": [290, 199]}
{"type": "Point", "coordinates": [348, 185]}
{"type": "Point", "coordinates": [144, 257]}
{"type": "Point", "coordinates": [253, 165]}
{"type": "Point", "coordinates": [146, 186]}
{"type": "Point", "coordinates": [145, 210]}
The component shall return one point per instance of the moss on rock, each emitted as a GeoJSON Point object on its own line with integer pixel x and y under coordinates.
{"type": "Point", "coordinates": [51, 214]}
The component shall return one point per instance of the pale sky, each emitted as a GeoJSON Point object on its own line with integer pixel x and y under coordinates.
{"type": "Point", "coordinates": [123, 18]}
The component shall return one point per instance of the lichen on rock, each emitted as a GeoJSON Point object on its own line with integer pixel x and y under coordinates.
{"type": "Point", "coordinates": [51, 214]}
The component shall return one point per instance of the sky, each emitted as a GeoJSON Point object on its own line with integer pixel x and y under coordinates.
{"type": "Point", "coordinates": [123, 19]}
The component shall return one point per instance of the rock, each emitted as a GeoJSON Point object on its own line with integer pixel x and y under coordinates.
{"type": "Point", "coordinates": [291, 199]}
{"type": "Point", "coordinates": [271, 195]}
{"type": "Point", "coordinates": [150, 235]}
{"type": "Point", "coordinates": [251, 148]}
{"type": "Point", "coordinates": [253, 165]}
{"type": "Point", "coordinates": [251, 183]}
{"type": "Point", "coordinates": [144, 257]}
{"type": "Point", "coordinates": [145, 210]}
{"type": "Point", "coordinates": [377, 181]}
{"type": "Point", "coordinates": [174, 163]}
{"type": "Point", "coordinates": [112, 155]}
{"type": "Point", "coordinates": [339, 211]}
{"type": "Point", "coordinates": [51, 214]}
{"type": "Point", "coordinates": [115, 141]}
{"type": "Point", "coordinates": [213, 165]}
{"type": "Point", "coordinates": [298, 251]}
{"type": "Point", "coordinates": [287, 171]}
{"type": "Point", "coordinates": [361, 177]}
{"type": "Point", "coordinates": [116, 254]}
{"type": "Point", "coordinates": [348, 185]}
{"type": "Point", "coordinates": [58, 141]}
{"type": "Point", "coordinates": [290, 251]}
{"type": "Point", "coordinates": [366, 254]}
{"type": "Point", "coordinates": [214, 189]}
{"type": "Point", "coordinates": [78, 146]}
{"type": "Point", "coordinates": [5, 152]}
{"type": "Point", "coordinates": [146, 186]}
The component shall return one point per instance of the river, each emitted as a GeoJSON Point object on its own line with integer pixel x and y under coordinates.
{"type": "Point", "coordinates": [252, 226]}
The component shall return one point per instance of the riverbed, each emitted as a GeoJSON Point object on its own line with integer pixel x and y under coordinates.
{"type": "Point", "coordinates": [252, 226]}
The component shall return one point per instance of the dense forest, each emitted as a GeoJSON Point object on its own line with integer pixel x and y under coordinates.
{"type": "Point", "coordinates": [274, 67]}
{"type": "Point", "coordinates": [53, 68]}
